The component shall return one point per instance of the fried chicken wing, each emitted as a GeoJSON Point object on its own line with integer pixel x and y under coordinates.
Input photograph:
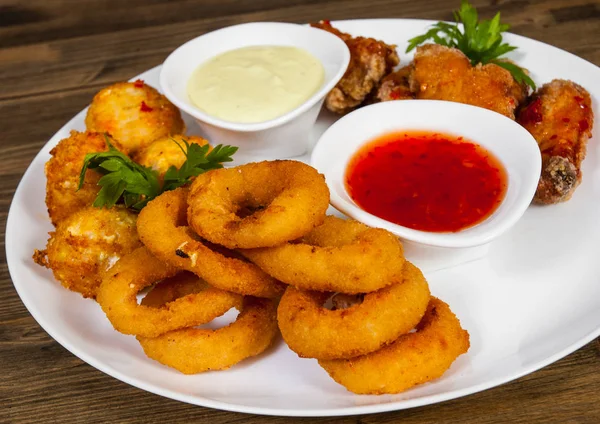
{"type": "Point", "coordinates": [396, 86]}
{"type": "Point", "coordinates": [559, 116]}
{"type": "Point", "coordinates": [370, 61]}
{"type": "Point", "coordinates": [444, 73]}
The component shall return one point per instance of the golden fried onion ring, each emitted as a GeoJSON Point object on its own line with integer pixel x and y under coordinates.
{"type": "Point", "coordinates": [138, 270]}
{"type": "Point", "coordinates": [289, 198]}
{"type": "Point", "coordinates": [195, 350]}
{"type": "Point", "coordinates": [159, 229]}
{"type": "Point", "coordinates": [338, 256]}
{"type": "Point", "coordinates": [414, 358]}
{"type": "Point", "coordinates": [312, 331]}
{"type": "Point", "coordinates": [173, 288]}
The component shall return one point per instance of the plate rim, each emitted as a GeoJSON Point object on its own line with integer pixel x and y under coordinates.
{"type": "Point", "coordinates": [10, 237]}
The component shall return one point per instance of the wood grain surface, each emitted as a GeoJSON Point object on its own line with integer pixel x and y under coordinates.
{"type": "Point", "coordinates": [55, 54]}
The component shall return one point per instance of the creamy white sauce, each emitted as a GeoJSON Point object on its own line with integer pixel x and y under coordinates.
{"type": "Point", "coordinates": [255, 84]}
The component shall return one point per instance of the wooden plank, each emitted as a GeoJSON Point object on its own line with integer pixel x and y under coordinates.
{"type": "Point", "coordinates": [41, 21]}
{"type": "Point", "coordinates": [63, 384]}
{"type": "Point", "coordinates": [98, 60]}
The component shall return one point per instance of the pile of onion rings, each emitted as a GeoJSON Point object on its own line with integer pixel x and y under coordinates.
{"type": "Point", "coordinates": [256, 238]}
{"type": "Point", "coordinates": [195, 276]}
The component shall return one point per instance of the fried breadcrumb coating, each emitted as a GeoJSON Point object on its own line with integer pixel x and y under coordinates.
{"type": "Point", "coordinates": [414, 358]}
{"type": "Point", "coordinates": [62, 174]}
{"type": "Point", "coordinates": [370, 61]}
{"type": "Point", "coordinates": [88, 243]}
{"type": "Point", "coordinates": [444, 73]}
{"type": "Point", "coordinates": [134, 114]}
{"type": "Point", "coordinates": [396, 86]}
{"type": "Point", "coordinates": [559, 116]}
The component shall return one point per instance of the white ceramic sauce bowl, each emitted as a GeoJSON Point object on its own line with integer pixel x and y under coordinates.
{"type": "Point", "coordinates": [507, 140]}
{"type": "Point", "coordinates": [282, 137]}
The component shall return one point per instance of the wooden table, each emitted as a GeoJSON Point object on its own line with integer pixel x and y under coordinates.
{"type": "Point", "coordinates": [54, 55]}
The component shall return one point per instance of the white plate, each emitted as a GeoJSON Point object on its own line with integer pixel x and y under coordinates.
{"type": "Point", "coordinates": [534, 299]}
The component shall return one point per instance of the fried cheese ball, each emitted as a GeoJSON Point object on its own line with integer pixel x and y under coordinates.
{"type": "Point", "coordinates": [88, 243]}
{"type": "Point", "coordinates": [134, 113]}
{"type": "Point", "coordinates": [165, 152]}
{"type": "Point", "coordinates": [62, 174]}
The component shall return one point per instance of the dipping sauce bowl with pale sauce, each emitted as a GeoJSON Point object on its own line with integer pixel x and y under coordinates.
{"type": "Point", "coordinates": [259, 86]}
{"type": "Point", "coordinates": [255, 84]}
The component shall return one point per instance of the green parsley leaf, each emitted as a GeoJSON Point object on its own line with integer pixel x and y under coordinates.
{"type": "Point", "coordinates": [518, 73]}
{"type": "Point", "coordinates": [135, 185]}
{"type": "Point", "coordinates": [199, 160]}
{"type": "Point", "coordinates": [479, 40]}
{"type": "Point", "coordinates": [121, 178]}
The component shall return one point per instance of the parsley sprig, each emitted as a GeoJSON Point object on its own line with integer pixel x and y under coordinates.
{"type": "Point", "coordinates": [135, 185]}
{"type": "Point", "coordinates": [199, 160]}
{"type": "Point", "coordinates": [480, 40]}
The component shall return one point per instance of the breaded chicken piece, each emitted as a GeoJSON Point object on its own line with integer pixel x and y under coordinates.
{"type": "Point", "coordinates": [62, 174]}
{"type": "Point", "coordinates": [396, 86]}
{"type": "Point", "coordinates": [370, 61]}
{"type": "Point", "coordinates": [559, 116]}
{"type": "Point", "coordinates": [134, 114]}
{"type": "Point", "coordinates": [88, 243]}
{"type": "Point", "coordinates": [165, 152]}
{"type": "Point", "coordinates": [444, 73]}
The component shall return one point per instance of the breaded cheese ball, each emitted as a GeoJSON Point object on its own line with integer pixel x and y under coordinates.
{"type": "Point", "coordinates": [165, 152]}
{"type": "Point", "coordinates": [134, 114]}
{"type": "Point", "coordinates": [87, 244]}
{"type": "Point", "coordinates": [62, 174]}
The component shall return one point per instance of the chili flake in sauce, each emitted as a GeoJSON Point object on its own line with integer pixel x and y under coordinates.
{"type": "Point", "coordinates": [427, 181]}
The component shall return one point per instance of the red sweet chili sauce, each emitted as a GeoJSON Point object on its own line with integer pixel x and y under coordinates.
{"type": "Point", "coordinates": [426, 181]}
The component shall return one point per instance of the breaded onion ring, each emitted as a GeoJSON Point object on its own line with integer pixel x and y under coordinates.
{"type": "Point", "coordinates": [312, 331]}
{"type": "Point", "coordinates": [288, 199]}
{"type": "Point", "coordinates": [414, 358]}
{"type": "Point", "coordinates": [338, 256]}
{"type": "Point", "coordinates": [195, 350]}
{"type": "Point", "coordinates": [174, 287]}
{"type": "Point", "coordinates": [162, 228]}
{"type": "Point", "coordinates": [138, 270]}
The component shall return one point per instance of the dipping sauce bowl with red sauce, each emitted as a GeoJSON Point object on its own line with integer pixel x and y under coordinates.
{"type": "Point", "coordinates": [427, 181]}
{"type": "Point", "coordinates": [434, 173]}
